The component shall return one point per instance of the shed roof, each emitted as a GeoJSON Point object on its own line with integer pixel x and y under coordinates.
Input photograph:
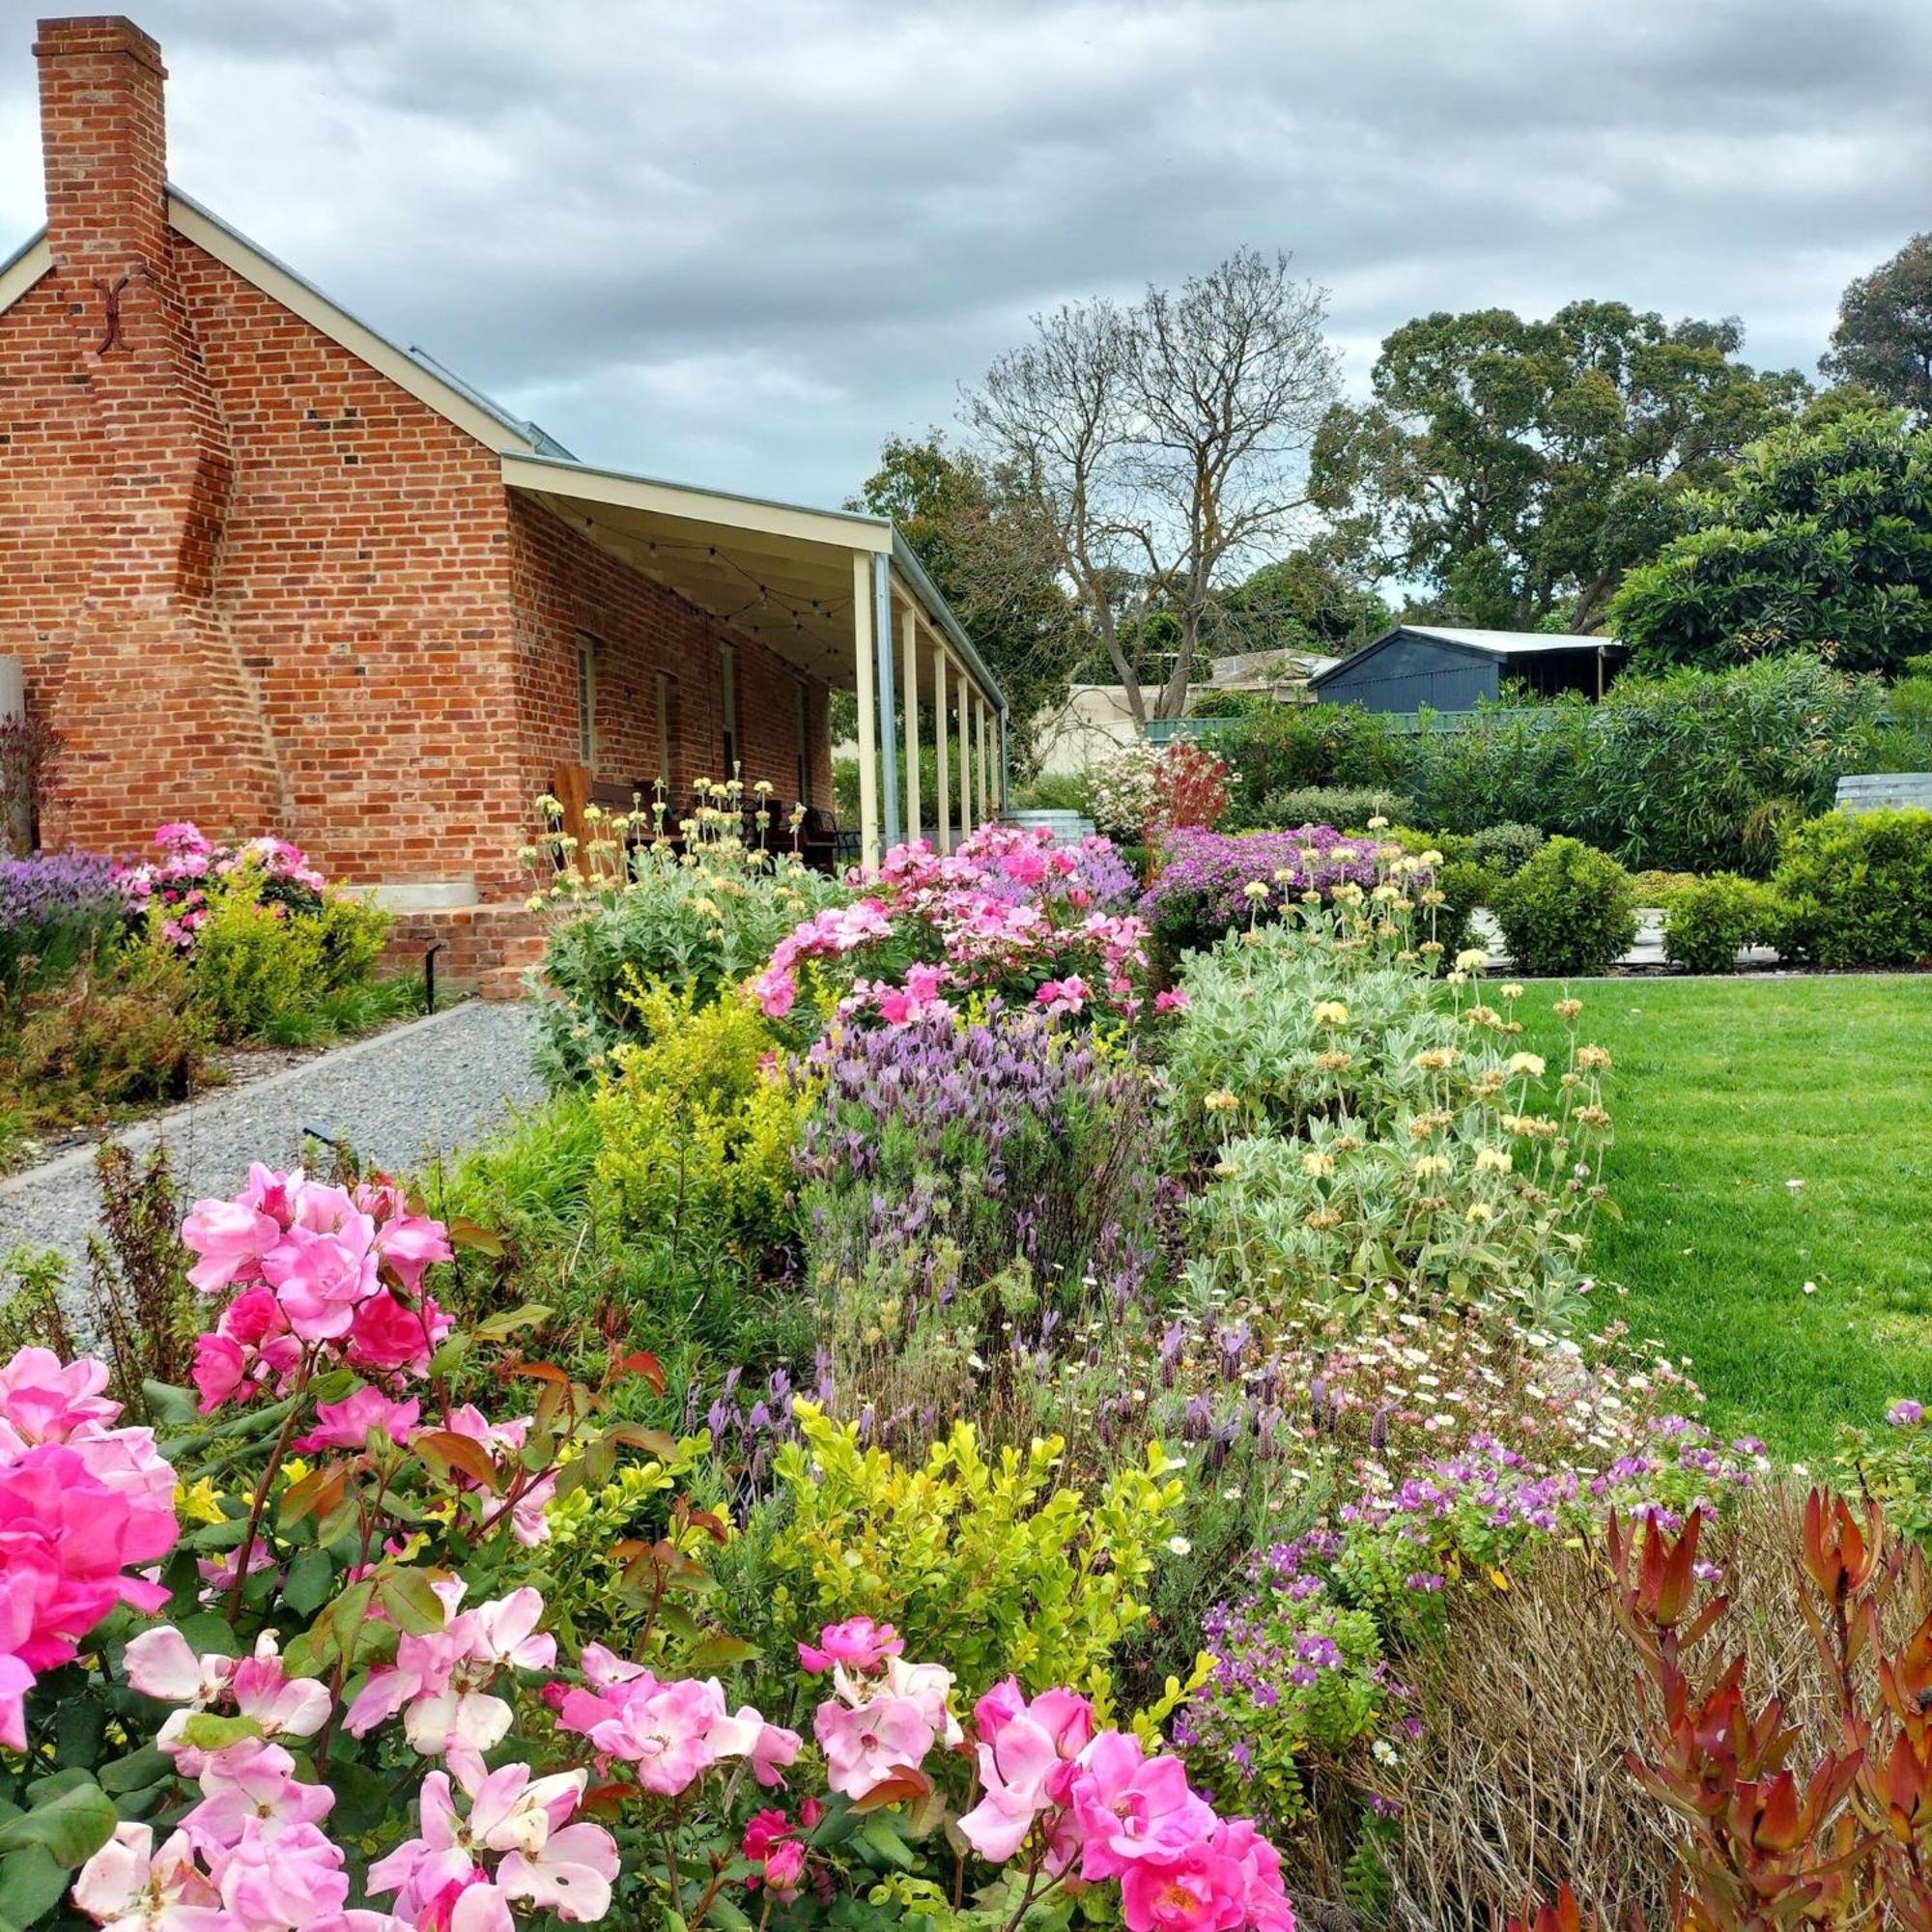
{"type": "Point", "coordinates": [1502, 644]}
{"type": "Point", "coordinates": [1498, 644]}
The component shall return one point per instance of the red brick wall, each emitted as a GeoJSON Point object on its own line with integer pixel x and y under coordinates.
{"type": "Point", "coordinates": [364, 578]}
{"type": "Point", "coordinates": [565, 588]}
{"type": "Point", "coordinates": [254, 582]}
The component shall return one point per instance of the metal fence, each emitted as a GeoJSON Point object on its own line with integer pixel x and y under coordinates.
{"type": "Point", "coordinates": [1403, 723]}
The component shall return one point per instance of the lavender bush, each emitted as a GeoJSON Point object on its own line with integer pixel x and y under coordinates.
{"type": "Point", "coordinates": [965, 1189]}
{"type": "Point", "coordinates": [1209, 881]}
{"type": "Point", "coordinates": [55, 908]}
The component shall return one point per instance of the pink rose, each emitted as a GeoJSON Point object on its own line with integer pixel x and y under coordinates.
{"type": "Point", "coordinates": [388, 1338]}
{"type": "Point", "coordinates": [346, 1424]}
{"type": "Point", "coordinates": [231, 1240]}
{"type": "Point", "coordinates": [858, 1641]}
{"type": "Point", "coordinates": [1132, 1807]}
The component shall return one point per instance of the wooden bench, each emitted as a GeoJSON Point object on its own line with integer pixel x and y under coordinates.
{"type": "Point", "coordinates": [574, 790]}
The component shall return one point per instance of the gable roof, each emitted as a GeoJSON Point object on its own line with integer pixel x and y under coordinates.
{"type": "Point", "coordinates": [517, 439]}
{"type": "Point", "coordinates": [411, 369]}
{"type": "Point", "coordinates": [1492, 644]}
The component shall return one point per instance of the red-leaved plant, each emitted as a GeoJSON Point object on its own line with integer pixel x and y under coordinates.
{"type": "Point", "coordinates": [1191, 790]}
{"type": "Point", "coordinates": [1778, 1833]}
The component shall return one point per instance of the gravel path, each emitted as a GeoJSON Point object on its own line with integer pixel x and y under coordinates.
{"type": "Point", "coordinates": [418, 1089]}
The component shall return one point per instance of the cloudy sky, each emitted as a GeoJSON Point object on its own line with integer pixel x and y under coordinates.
{"type": "Point", "coordinates": [738, 243]}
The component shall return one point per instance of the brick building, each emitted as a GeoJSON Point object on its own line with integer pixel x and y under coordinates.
{"type": "Point", "coordinates": [262, 568]}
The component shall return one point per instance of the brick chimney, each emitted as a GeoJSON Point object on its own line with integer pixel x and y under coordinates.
{"type": "Point", "coordinates": [160, 717]}
{"type": "Point", "coordinates": [103, 146]}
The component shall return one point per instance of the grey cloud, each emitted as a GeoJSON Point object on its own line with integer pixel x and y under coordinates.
{"type": "Point", "coordinates": [738, 240]}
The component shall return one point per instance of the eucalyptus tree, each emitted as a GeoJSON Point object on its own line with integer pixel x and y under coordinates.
{"type": "Point", "coordinates": [1161, 445]}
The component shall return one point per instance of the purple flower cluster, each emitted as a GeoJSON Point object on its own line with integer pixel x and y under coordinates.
{"type": "Point", "coordinates": [54, 907]}
{"type": "Point", "coordinates": [1293, 1667]}
{"type": "Point", "coordinates": [1202, 886]}
{"type": "Point", "coordinates": [1012, 1138]}
{"type": "Point", "coordinates": [749, 1423]}
{"type": "Point", "coordinates": [53, 886]}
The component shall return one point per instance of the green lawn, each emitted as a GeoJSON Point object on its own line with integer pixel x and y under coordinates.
{"type": "Point", "coordinates": [1724, 1092]}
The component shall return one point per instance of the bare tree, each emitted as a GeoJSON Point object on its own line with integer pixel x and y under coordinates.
{"type": "Point", "coordinates": [1162, 446]}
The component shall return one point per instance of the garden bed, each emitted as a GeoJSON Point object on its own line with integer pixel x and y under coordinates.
{"type": "Point", "coordinates": [228, 1070]}
{"type": "Point", "coordinates": [919, 1419]}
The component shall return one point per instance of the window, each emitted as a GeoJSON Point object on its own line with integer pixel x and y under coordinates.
{"type": "Point", "coordinates": [727, 686]}
{"type": "Point", "coordinates": [586, 701]}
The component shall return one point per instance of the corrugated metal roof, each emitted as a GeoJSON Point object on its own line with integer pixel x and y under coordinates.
{"type": "Point", "coordinates": [1498, 644]}
{"type": "Point", "coordinates": [1507, 643]}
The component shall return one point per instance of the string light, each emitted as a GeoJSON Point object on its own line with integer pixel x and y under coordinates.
{"type": "Point", "coordinates": [825, 610]}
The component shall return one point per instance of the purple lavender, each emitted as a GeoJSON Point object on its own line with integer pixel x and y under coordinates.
{"type": "Point", "coordinates": [55, 908]}
{"type": "Point", "coordinates": [945, 1152]}
{"type": "Point", "coordinates": [1201, 889]}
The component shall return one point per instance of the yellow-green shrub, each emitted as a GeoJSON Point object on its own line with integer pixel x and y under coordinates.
{"type": "Point", "coordinates": [988, 1565]}
{"type": "Point", "coordinates": [696, 1138]}
{"type": "Point", "coordinates": [350, 934]}
{"type": "Point", "coordinates": [251, 961]}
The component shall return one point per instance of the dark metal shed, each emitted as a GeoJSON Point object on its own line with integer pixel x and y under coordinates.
{"type": "Point", "coordinates": [1453, 670]}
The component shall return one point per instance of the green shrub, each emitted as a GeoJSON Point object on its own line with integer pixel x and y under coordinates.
{"type": "Point", "coordinates": [1505, 849]}
{"type": "Point", "coordinates": [700, 927]}
{"type": "Point", "coordinates": [251, 961]}
{"type": "Point", "coordinates": [1709, 919]}
{"type": "Point", "coordinates": [1052, 792]}
{"type": "Point", "coordinates": [1509, 764]}
{"type": "Point", "coordinates": [1855, 890]}
{"type": "Point", "coordinates": [1694, 771]}
{"type": "Point", "coordinates": [1699, 771]}
{"type": "Point", "coordinates": [986, 1561]}
{"type": "Point", "coordinates": [1464, 886]}
{"type": "Point", "coordinates": [1287, 748]}
{"type": "Point", "coordinates": [695, 1162]}
{"type": "Point", "coordinates": [1570, 910]}
{"type": "Point", "coordinates": [350, 934]}
{"type": "Point", "coordinates": [1346, 808]}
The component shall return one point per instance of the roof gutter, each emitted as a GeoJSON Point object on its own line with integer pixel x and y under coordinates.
{"type": "Point", "coordinates": [927, 592]}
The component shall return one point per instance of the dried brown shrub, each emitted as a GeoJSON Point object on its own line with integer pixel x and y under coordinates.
{"type": "Point", "coordinates": [1517, 1783]}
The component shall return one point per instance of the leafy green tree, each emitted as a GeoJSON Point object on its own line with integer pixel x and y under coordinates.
{"type": "Point", "coordinates": [1820, 540]}
{"type": "Point", "coordinates": [972, 533]}
{"type": "Point", "coordinates": [1515, 469]}
{"type": "Point", "coordinates": [1307, 601]}
{"type": "Point", "coordinates": [1884, 337]}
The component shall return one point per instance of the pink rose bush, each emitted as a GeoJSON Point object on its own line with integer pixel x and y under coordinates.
{"type": "Point", "coordinates": [318, 1276]}
{"type": "Point", "coordinates": [1008, 912]}
{"type": "Point", "coordinates": [346, 1697]}
{"type": "Point", "coordinates": [173, 887]}
{"type": "Point", "coordinates": [82, 1501]}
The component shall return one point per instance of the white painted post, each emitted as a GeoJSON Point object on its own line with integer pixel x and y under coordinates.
{"type": "Point", "coordinates": [941, 757]}
{"type": "Point", "coordinates": [909, 697]}
{"type": "Point", "coordinates": [985, 790]}
{"type": "Point", "coordinates": [966, 820]}
{"type": "Point", "coordinates": [869, 712]}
